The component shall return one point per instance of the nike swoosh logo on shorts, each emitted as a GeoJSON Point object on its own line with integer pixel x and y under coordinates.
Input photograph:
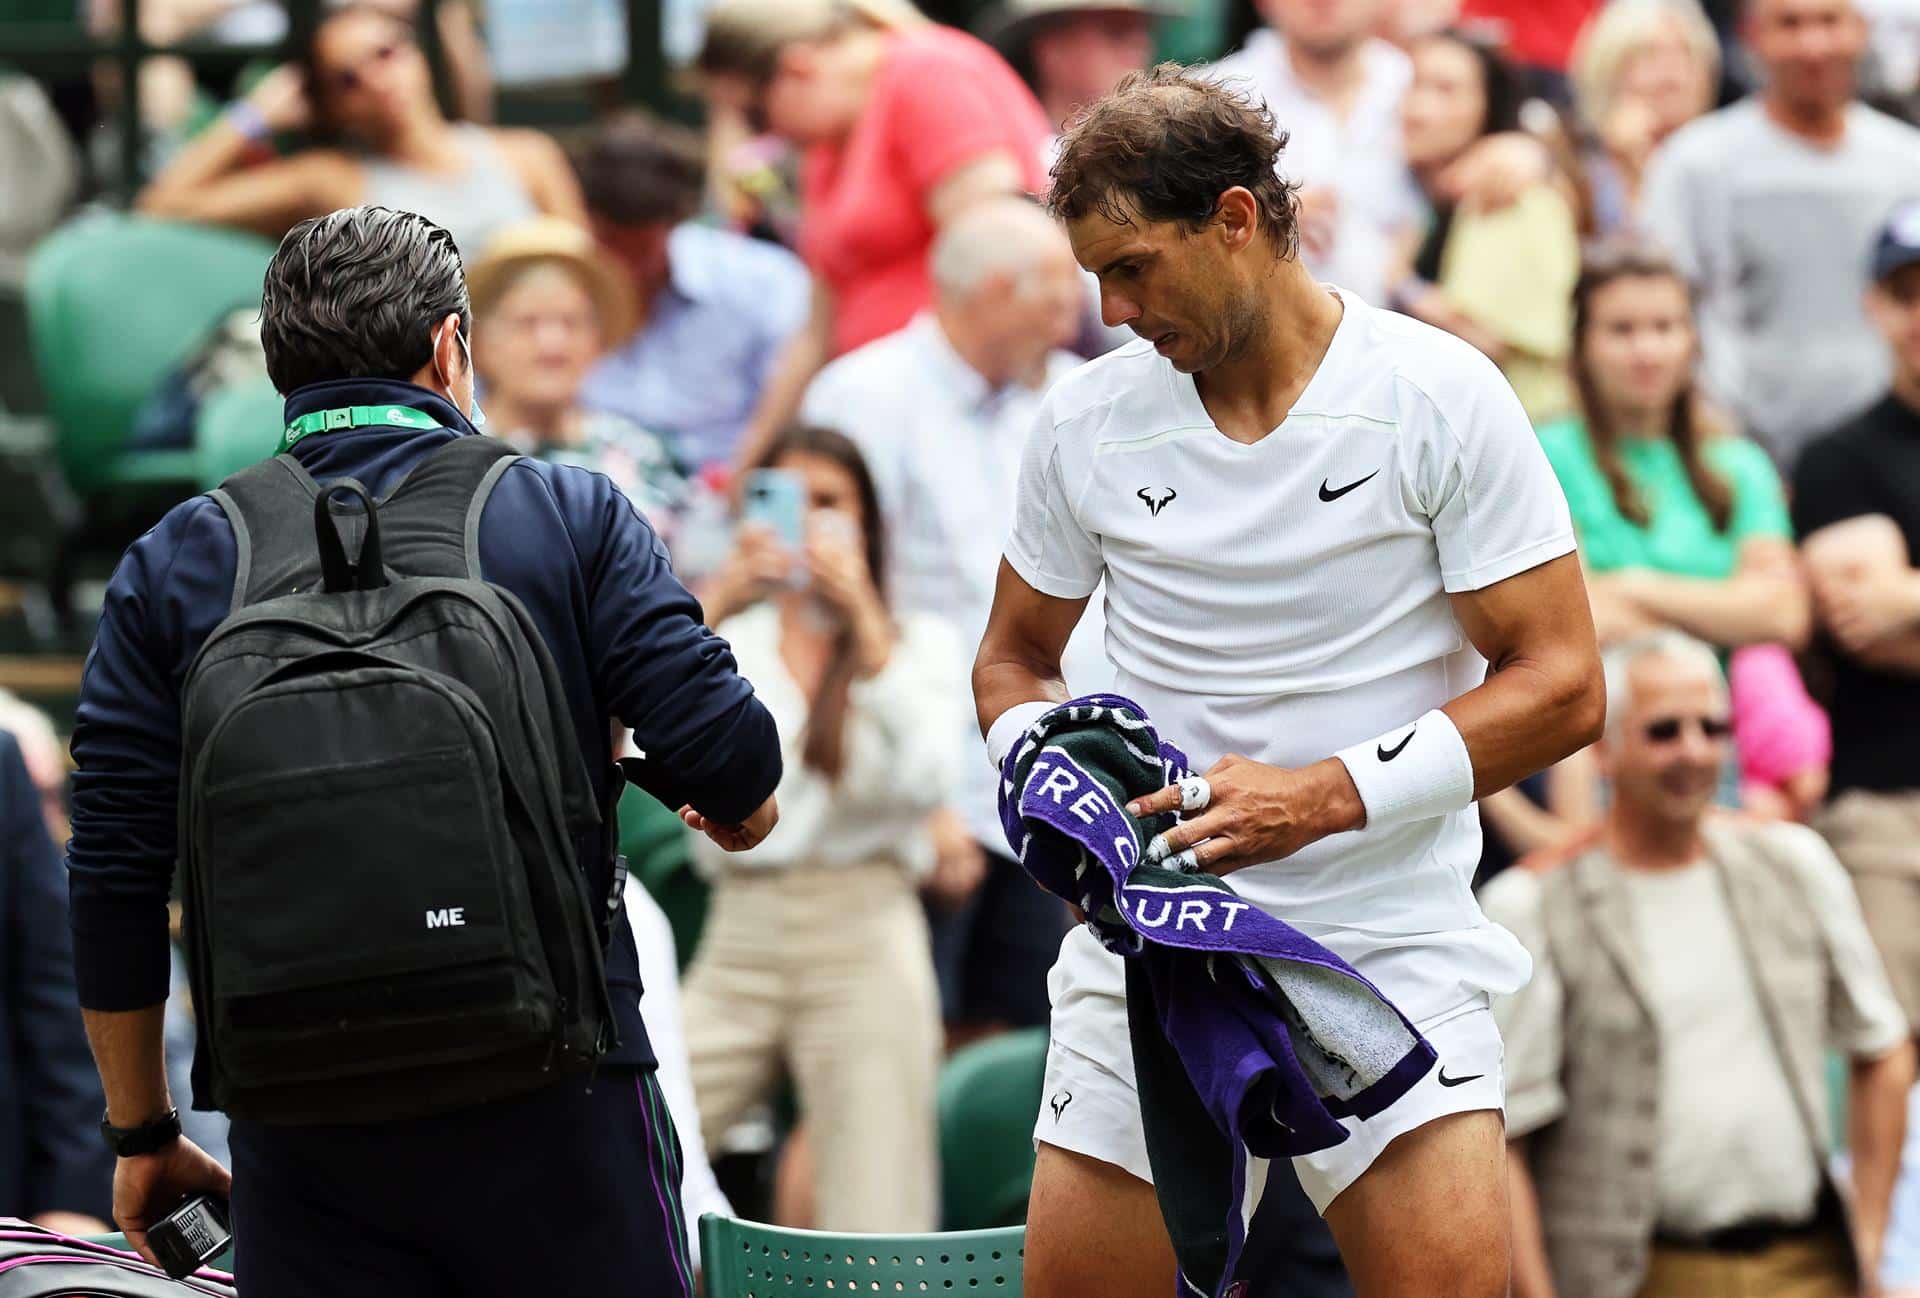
{"type": "Point", "coordinates": [1458, 1081]}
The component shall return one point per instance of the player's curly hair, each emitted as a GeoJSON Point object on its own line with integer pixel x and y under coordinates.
{"type": "Point", "coordinates": [1164, 145]}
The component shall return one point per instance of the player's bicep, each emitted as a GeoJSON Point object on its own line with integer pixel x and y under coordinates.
{"type": "Point", "coordinates": [1541, 615]}
{"type": "Point", "coordinates": [1048, 547]}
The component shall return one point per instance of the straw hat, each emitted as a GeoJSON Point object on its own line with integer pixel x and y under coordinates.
{"type": "Point", "coordinates": [550, 239]}
{"type": "Point", "coordinates": [1009, 25]}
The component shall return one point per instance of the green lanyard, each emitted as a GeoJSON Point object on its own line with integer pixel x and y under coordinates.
{"type": "Point", "coordinates": [325, 421]}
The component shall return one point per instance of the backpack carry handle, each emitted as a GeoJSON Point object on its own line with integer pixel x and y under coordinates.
{"type": "Point", "coordinates": [342, 574]}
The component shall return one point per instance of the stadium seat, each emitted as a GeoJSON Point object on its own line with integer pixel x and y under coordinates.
{"type": "Point", "coordinates": [742, 1259]}
{"type": "Point", "coordinates": [989, 1094]}
{"type": "Point", "coordinates": [113, 302]}
{"type": "Point", "coordinates": [238, 426]}
{"type": "Point", "coordinates": [658, 848]}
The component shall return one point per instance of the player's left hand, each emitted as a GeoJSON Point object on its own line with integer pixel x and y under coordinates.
{"type": "Point", "coordinates": [1254, 813]}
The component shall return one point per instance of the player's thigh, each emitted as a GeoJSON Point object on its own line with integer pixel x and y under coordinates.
{"type": "Point", "coordinates": [1429, 1216]}
{"type": "Point", "coordinates": [1094, 1228]}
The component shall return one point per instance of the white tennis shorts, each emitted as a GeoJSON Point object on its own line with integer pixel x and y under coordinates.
{"type": "Point", "coordinates": [1091, 1106]}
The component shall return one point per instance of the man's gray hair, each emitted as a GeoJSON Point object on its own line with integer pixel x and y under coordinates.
{"type": "Point", "coordinates": [355, 295]}
{"type": "Point", "coordinates": [995, 236]}
{"type": "Point", "coordinates": [1619, 661]}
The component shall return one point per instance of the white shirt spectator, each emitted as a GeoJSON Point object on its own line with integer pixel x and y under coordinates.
{"type": "Point", "coordinates": [1358, 156]}
{"type": "Point", "coordinates": [1776, 234]}
{"type": "Point", "coordinates": [898, 768]}
{"type": "Point", "coordinates": [944, 449]}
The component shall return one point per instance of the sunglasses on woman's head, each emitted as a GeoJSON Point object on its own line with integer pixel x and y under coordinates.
{"type": "Point", "coordinates": [1667, 729]}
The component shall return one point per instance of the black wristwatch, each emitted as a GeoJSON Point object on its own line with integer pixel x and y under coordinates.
{"type": "Point", "coordinates": [147, 1138]}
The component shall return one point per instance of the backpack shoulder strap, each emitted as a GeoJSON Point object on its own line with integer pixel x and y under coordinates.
{"type": "Point", "coordinates": [270, 506]}
{"type": "Point", "coordinates": [430, 523]}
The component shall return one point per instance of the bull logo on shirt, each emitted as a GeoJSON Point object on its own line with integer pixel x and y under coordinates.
{"type": "Point", "coordinates": [1157, 498]}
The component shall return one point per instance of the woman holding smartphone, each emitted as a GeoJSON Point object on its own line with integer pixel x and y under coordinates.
{"type": "Point", "coordinates": [815, 961]}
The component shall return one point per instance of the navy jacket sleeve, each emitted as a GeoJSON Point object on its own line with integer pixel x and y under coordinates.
{"type": "Point", "coordinates": [170, 587]}
{"type": "Point", "coordinates": [68, 1168]}
{"type": "Point", "coordinates": [709, 742]}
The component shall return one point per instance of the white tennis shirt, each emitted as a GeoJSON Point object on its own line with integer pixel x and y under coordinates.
{"type": "Point", "coordinates": [1286, 599]}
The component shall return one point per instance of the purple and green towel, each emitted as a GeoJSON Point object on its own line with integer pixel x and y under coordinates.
{"type": "Point", "coordinates": [1250, 1040]}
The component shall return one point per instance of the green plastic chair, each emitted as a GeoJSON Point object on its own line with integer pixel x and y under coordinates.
{"type": "Point", "coordinates": [238, 426]}
{"type": "Point", "coordinates": [742, 1259]}
{"type": "Point", "coordinates": [114, 302]}
{"type": "Point", "coordinates": [659, 851]}
{"type": "Point", "coordinates": [117, 1240]}
{"type": "Point", "coordinates": [989, 1095]}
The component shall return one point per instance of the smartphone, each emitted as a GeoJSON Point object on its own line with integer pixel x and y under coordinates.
{"type": "Point", "coordinates": [777, 499]}
{"type": "Point", "coordinates": [192, 1235]}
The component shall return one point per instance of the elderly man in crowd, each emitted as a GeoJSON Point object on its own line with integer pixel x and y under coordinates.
{"type": "Point", "coordinates": [1771, 206]}
{"type": "Point", "coordinates": [1666, 1096]}
{"type": "Point", "coordinates": [941, 409]}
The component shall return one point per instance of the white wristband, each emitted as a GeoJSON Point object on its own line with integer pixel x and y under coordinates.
{"type": "Point", "coordinates": [1412, 773]}
{"type": "Point", "coordinates": [1005, 732]}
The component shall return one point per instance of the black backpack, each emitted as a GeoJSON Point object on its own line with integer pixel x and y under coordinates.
{"type": "Point", "coordinates": [380, 790]}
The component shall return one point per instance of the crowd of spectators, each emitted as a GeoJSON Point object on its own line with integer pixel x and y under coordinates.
{"type": "Point", "coordinates": [1679, 227]}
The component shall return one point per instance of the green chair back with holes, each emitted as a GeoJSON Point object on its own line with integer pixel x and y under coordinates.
{"type": "Point", "coordinates": [742, 1259]}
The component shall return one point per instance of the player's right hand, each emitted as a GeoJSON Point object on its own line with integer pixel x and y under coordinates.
{"type": "Point", "coordinates": [148, 1187]}
{"type": "Point", "coordinates": [1257, 813]}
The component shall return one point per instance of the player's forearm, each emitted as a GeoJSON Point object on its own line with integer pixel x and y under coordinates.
{"type": "Point", "coordinates": [129, 1050]}
{"type": "Point", "coordinates": [1532, 1278]}
{"type": "Point", "coordinates": [1002, 680]}
{"type": "Point", "coordinates": [1876, 1129]}
{"type": "Point", "coordinates": [1530, 713]}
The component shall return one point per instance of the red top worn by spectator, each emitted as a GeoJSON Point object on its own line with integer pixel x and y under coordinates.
{"type": "Point", "coordinates": [1538, 33]}
{"type": "Point", "coordinates": [941, 100]}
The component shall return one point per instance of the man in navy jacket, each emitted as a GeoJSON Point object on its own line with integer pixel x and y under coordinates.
{"type": "Point", "coordinates": [52, 1168]}
{"type": "Point", "coordinates": [368, 308]}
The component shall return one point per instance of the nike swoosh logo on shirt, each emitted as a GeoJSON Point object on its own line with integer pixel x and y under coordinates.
{"type": "Point", "coordinates": [1337, 492]}
{"type": "Point", "coordinates": [1388, 754]}
{"type": "Point", "coordinates": [1458, 1081]}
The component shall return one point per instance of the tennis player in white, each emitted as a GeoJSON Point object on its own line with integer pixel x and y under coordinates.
{"type": "Point", "coordinates": [1331, 543]}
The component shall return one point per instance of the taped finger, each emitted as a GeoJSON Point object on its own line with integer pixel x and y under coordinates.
{"type": "Point", "coordinates": [1195, 793]}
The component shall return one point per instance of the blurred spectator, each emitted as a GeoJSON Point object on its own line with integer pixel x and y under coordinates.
{"type": "Point", "coordinates": [362, 87]}
{"type": "Point", "coordinates": [546, 301]}
{"type": "Point", "coordinates": [1666, 1066]}
{"type": "Point", "coordinates": [1537, 35]}
{"type": "Point", "coordinates": [45, 754]}
{"type": "Point", "coordinates": [666, 1023]}
{"type": "Point", "coordinates": [715, 308]}
{"type": "Point", "coordinates": [1680, 522]}
{"type": "Point", "coordinates": [1771, 207]}
{"type": "Point", "coordinates": [904, 124]}
{"type": "Point", "coordinates": [1857, 504]}
{"type": "Point", "coordinates": [1336, 90]}
{"type": "Point", "coordinates": [1642, 69]}
{"type": "Point", "coordinates": [54, 1169]}
{"type": "Point", "coordinates": [1499, 278]}
{"type": "Point", "coordinates": [941, 410]}
{"type": "Point", "coordinates": [1071, 52]}
{"type": "Point", "coordinates": [815, 957]}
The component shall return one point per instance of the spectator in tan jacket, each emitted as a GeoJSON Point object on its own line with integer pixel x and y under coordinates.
{"type": "Point", "coordinates": [1666, 1067]}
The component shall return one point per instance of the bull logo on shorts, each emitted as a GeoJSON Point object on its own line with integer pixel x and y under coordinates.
{"type": "Point", "coordinates": [1059, 1103]}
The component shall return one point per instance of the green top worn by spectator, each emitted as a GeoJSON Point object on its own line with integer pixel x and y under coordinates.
{"type": "Point", "coordinates": [1679, 537]}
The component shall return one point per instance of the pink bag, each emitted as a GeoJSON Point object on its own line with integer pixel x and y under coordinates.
{"type": "Point", "coordinates": [1778, 730]}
